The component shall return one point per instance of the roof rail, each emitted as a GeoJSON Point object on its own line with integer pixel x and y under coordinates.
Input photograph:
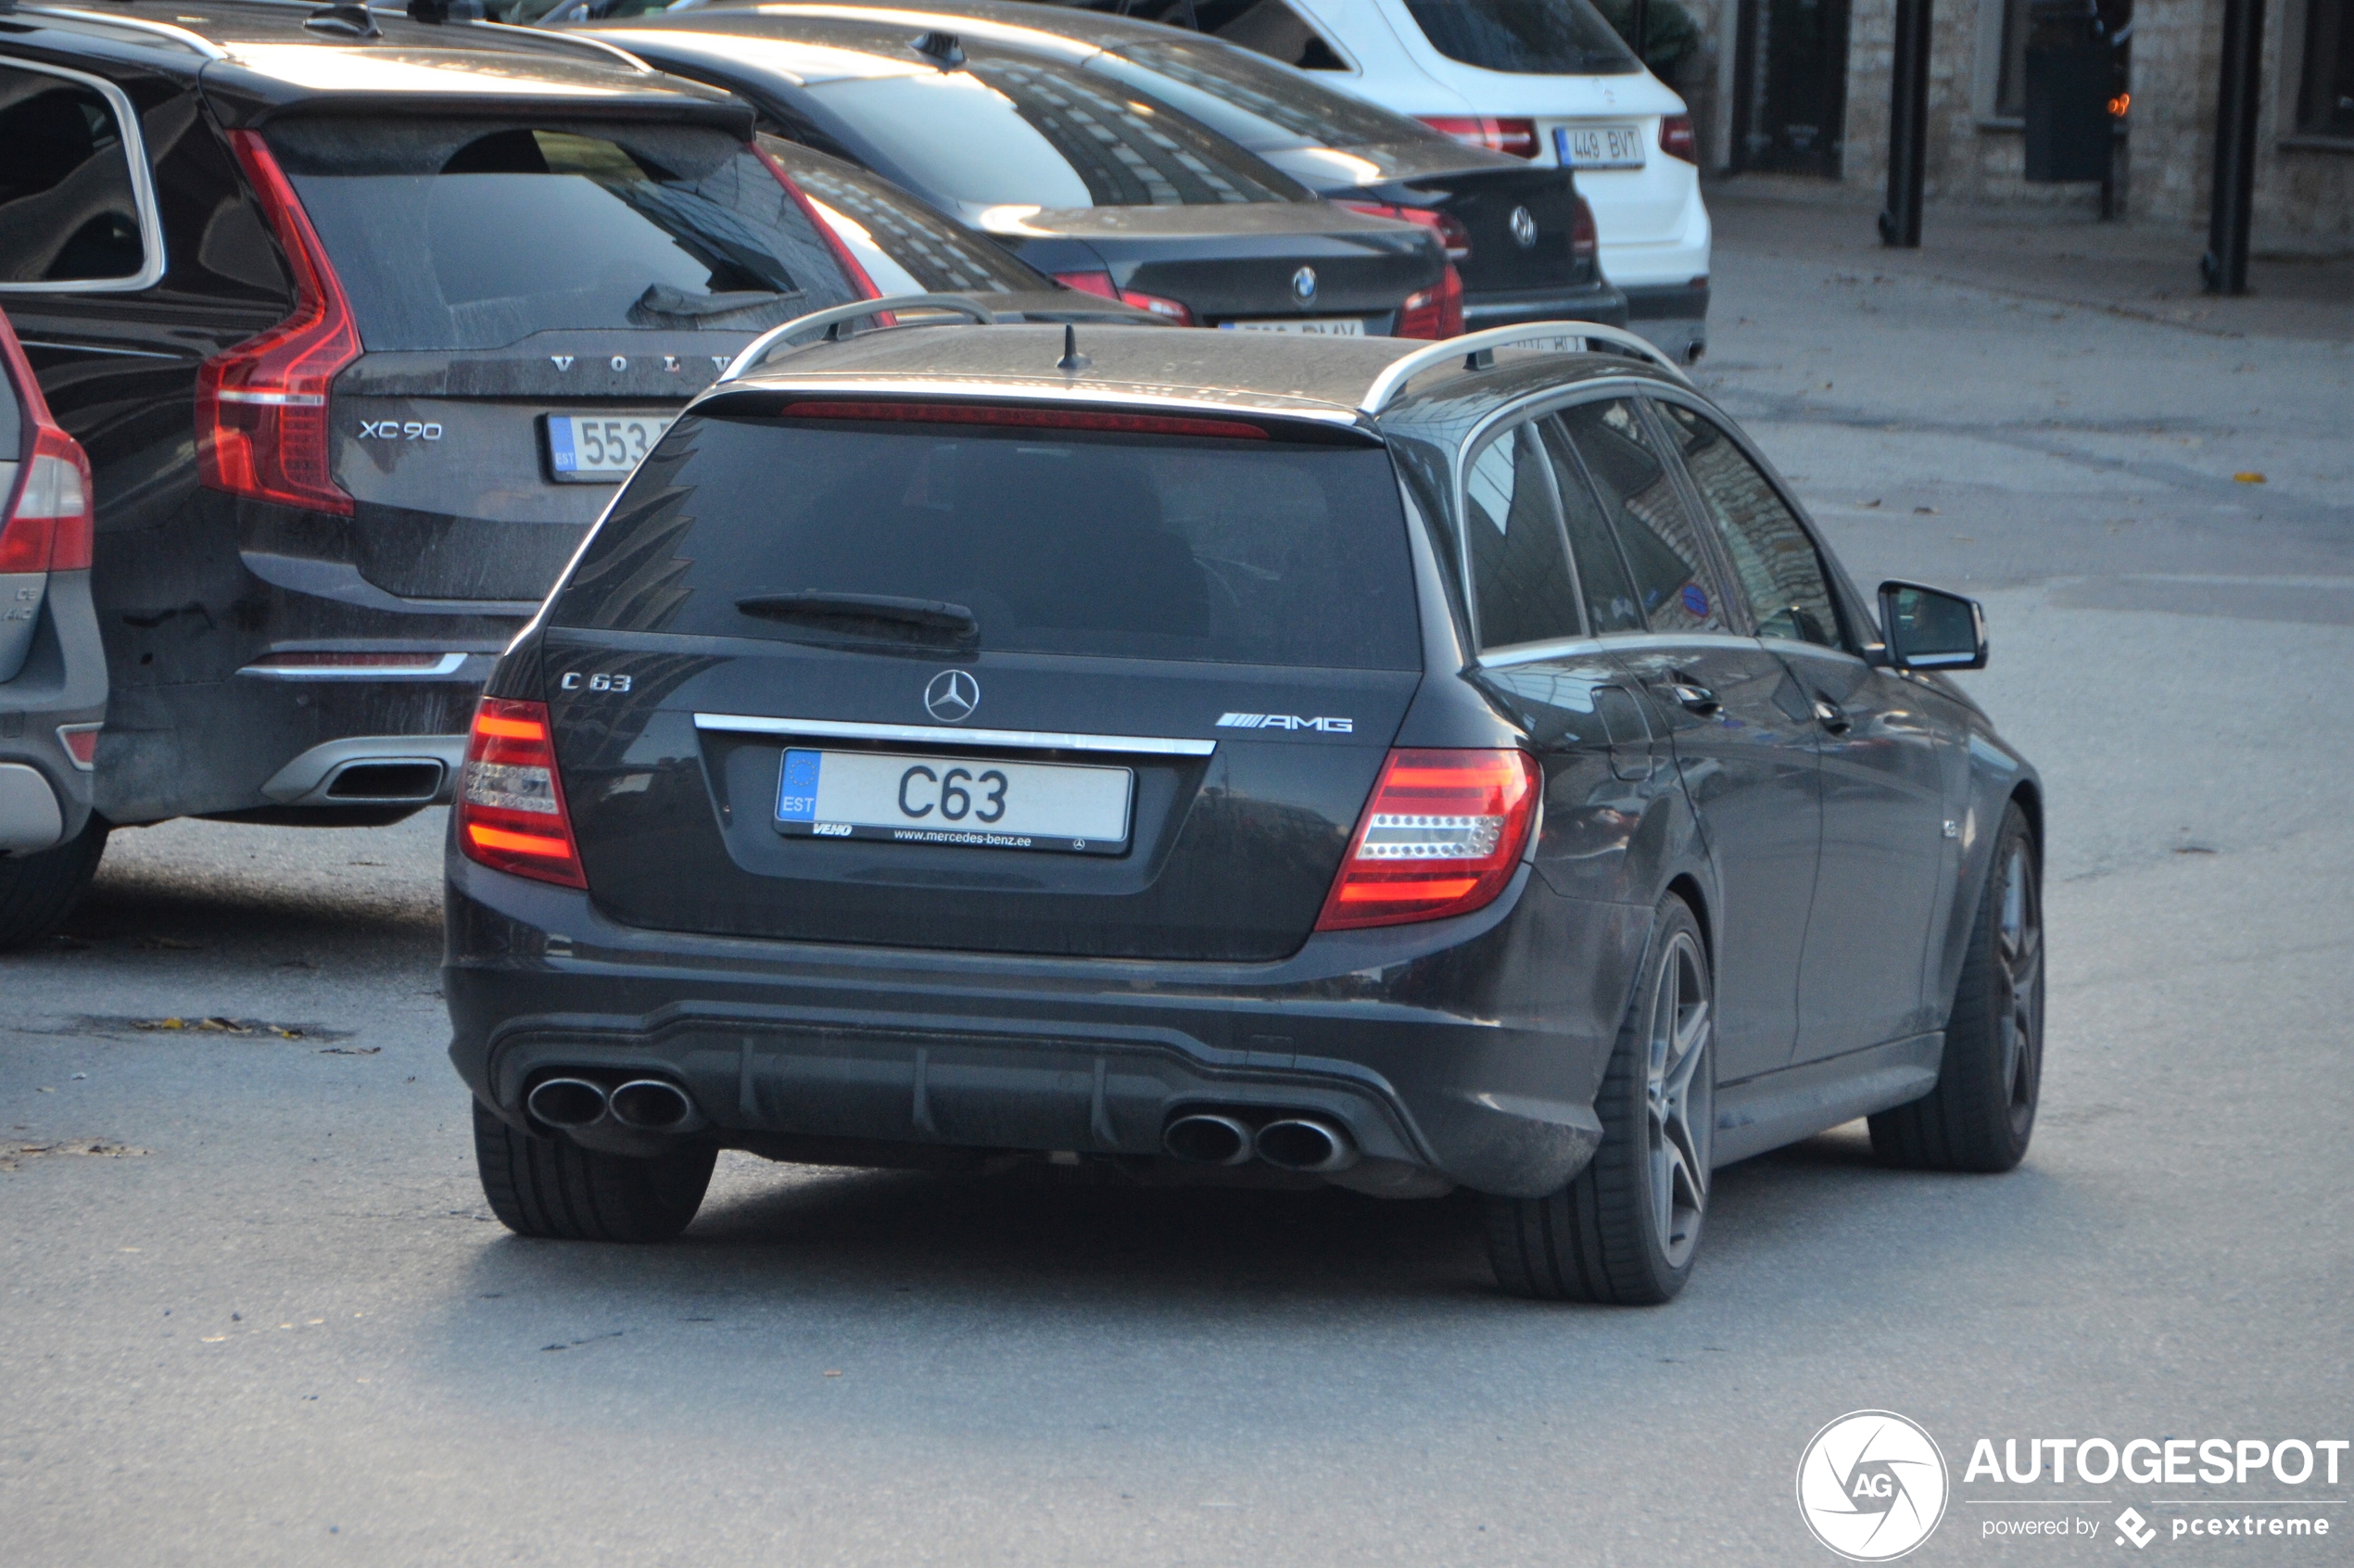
{"type": "Point", "coordinates": [836, 317]}
{"type": "Point", "coordinates": [179, 36]}
{"type": "Point", "coordinates": [583, 40]}
{"type": "Point", "coordinates": [1555, 335]}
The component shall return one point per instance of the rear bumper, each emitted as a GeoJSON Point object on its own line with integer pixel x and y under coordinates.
{"type": "Point", "coordinates": [1437, 1048]}
{"type": "Point", "coordinates": [45, 795]}
{"type": "Point", "coordinates": [1601, 303]}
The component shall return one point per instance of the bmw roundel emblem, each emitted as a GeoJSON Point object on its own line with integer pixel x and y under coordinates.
{"type": "Point", "coordinates": [1524, 227]}
{"type": "Point", "coordinates": [952, 695]}
{"type": "Point", "coordinates": [1303, 285]}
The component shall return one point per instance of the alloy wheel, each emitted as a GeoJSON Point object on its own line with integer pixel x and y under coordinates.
{"type": "Point", "coordinates": [1681, 1092]}
{"type": "Point", "coordinates": [2020, 951]}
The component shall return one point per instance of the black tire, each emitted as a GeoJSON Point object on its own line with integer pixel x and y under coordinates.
{"type": "Point", "coordinates": [1606, 1237]}
{"type": "Point", "coordinates": [1982, 1112]}
{"type": "Point", "coordinates": [37, 892]}
{"type": "Point", "coordinates": [551, 1187]}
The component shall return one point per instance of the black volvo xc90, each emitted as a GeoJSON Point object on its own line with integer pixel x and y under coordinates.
{"type": "Point", "coordinates": [1330, 760]}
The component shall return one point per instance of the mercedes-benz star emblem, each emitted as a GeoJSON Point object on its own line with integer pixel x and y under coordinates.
{"type": "Point", "coordinates": [952, 695]}
{"type": "Point", "coordinates": [1303, 285]}
{"type": "Point", "coordinates": [1523, 226]}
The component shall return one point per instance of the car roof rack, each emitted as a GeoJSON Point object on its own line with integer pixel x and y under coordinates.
{"type": "Point", "coordinates": [839, 316]}
{"type": "Point", "coordinates": [179, 36]}
{"type": "Point", "coordinates": [1474, 350]}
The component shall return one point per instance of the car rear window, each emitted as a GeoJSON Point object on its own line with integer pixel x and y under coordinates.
{"type": "Point", "coordinates": [1108, 546]}
{"type": "Point", "coordinates": [1251, 100]}
{"type": "Point", "coordinates": [893, 232]}
{"type": "Point", "coordinates": [1015, 132]}
{"type": "Point", "coordinates": [1526, 37]}
{"type": "Point", "coordinates": [465, 234]}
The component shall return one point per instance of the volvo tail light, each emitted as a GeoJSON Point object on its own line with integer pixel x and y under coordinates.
{"type": "Point", "coordinates": [1436, 312]}
{"type": "Point", "coordinates": [1446, 225]}
{"type": "Point", "coordinates": [261, 406]}
{"type": "Point", "coordinates": [1676, 137]}
{"type": "Point", "coordinates": [1441, 836]}
{"type": "Point", "coordinates": [861, 282]}
{"type": "Point", "coordinates": [1517, 137]}
{"type": "Point", "coordinates": [46, 526]}
{"type": "Point", "coordinates": [511, 799]}
{"type": "Point", "coordinates": [1101, 284]}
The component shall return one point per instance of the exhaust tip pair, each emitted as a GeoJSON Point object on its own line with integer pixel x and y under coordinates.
{"type": "Point", "coordinates": [644, 1105]}
{"type": "Point", "coordinates": [1305, 1144]}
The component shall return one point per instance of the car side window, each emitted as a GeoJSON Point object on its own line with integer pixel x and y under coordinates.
{"type": "Point", "coordinates": [1602, 572]}
{"type": "Point", "coordinates": [1777, 563]}
{"type": "Point", "coordinates": [1659, 537]}
{"type": "Point", "coordinates": [68, 213]}
{"type": "Point", "coordinates": [1521, 583]}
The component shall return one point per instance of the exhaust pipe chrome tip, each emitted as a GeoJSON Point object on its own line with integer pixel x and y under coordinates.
{"type": "Point", "coordinates": [568, 1102]}
{"type": "Point", "coordinates": [1309, 1144]}
{"type": "Point", "coordinates": [652, 1105]}
{"type": "Point", "coordinates": [1206, 1138]}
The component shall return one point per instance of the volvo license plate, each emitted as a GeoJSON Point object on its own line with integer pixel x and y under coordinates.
{"type": "Point", "coordinates": [599, 449]}
{"type": "Point", "coordinates": [980, 803]}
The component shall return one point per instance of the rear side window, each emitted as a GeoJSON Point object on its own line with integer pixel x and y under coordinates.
{"type": "Point", "coordinates": [1011, 131]}
{"type": "Point", "coordinates": [1526, 37]}
{"type": "Point", "coordinates": [1520, 569]}
{"type": "Point", "coordinates": [905, 246]}
{"type": "Point", "coordinates": [1657, 536]}
{"type": "Point", "coordinates": [1057, 542]}
{"type": "Point", "coordinates": [1771, 554]}
{"type": "Point", "coordinates": [1602, 572]}
{"type": "Point", "coordinates": [463, 234]}
{"type": "Point", "coordinates": [68, 211]}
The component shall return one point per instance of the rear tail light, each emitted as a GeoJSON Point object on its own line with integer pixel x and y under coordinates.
{"type": "Point", "coordinates": [1676, 138]}
{"type": "Point", "coordinates": [47, 528]}
{"type": "Point", "coordinates": [511, 800]}
{"type": "Point", "coordinates": [1441, 836]}
{"type": "Point", "coordinates": [1585, 241]}
{"type": "Point", "coordinates": [261, 406]}
{"type": "Point", "coordinates": [1446, 225]}
{"type": "Point", "coordinates": [861, 282]}
{"type": "Point", "coordinates": [1100, 283]}
{"type": "Point", "coordinates": [1517, 137]}
{"type": "Point", "coordinates": [1435, 313]}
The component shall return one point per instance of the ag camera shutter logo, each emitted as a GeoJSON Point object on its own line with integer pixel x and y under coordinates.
{"type": "Point", "coordinates": [1872, 1486]}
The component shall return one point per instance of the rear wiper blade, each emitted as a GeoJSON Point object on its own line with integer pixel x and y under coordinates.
{"type": "Point", "coordinates": [868, 617]}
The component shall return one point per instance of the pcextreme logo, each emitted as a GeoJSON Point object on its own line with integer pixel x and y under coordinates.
{"type": "Point", "coordinates": [1872, 1486]}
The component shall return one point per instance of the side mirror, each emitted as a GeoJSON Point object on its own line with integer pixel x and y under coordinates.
{"type": "Point", "coordinates": [1928, 629]}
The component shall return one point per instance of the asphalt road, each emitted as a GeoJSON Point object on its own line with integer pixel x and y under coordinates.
{"type": "Point", "coordinates": [274, 1322]}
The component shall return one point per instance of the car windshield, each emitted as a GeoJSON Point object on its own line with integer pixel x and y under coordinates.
{"type": "Point", "coordinates": [654, 226]}
{"type": "Point", "coordinates": [1524, 37]}
{"type": "Point", "coordinates": [905, 246]}
{"type": "Point", "coordinates": [1251, 100]}
{"type": "Point", "coordinates": [1252, 552]}
{"type": "Point", "coordinates": [1010, 131]}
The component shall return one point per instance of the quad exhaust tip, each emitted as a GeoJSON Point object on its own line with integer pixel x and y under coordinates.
{"type": "Point", "coordinates": [568, 1102]}
{"type": "Point", "coordinates": [649, 1104]}
{"type": "Point", "coordinates": [1207, 1138]}
{"type": "Point", "coordinates": [1306, 1144]}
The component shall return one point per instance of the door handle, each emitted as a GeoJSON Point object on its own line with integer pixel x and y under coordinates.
{"type": "Point", "coordinates": [1699, 699]}
{"type": "Point", "coordinates": [1832, 716]}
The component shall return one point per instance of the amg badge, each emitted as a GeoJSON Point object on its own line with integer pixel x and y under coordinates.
{"type": "Point", "coordinates": [1287, 721]}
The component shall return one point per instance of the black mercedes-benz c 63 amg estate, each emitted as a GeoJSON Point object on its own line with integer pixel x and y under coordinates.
{"type": "Point", "coordinates": [1404, 767]}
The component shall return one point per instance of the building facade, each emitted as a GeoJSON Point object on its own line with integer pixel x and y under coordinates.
{"type": "Point", "coordinates": [1802, 87]}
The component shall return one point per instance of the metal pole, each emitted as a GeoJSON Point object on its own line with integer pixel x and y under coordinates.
{"type": "Point", "coordinates": [1900, 221]}
{"type": "Point", "coordinates": [2225, 267]}
{"type": "Point", "coordinates": [1639, 23]}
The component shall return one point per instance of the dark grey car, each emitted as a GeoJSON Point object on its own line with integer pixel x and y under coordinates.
{"type": "Point", "coordinates": [1179, 752]}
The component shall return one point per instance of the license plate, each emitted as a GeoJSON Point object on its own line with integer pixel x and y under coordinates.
{"type": "Point", "coordinates": [1599, 146]}
{"type": "Point", "coordinates": [978, 802]}
{"type": "Point", "coordinates": [600, 448]}
{"type": "Point", "coordinates": [1303, 326]}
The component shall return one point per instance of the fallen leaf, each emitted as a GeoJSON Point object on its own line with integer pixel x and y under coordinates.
{"type": "Point", "coordinates": [349, 1050]}
{"type": "Point", "coordinates": [833, 1374]}
{"type": "Point", "coordinates": [2249, 476]}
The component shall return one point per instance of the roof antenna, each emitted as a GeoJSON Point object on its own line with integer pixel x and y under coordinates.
{"type": "Point", "coordinates": [942, 49]}
{"type": "Point", "coordinates": [1073, 361]}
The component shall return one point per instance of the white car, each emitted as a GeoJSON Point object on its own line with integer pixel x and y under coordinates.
{"type": "Point", "coordinates": [1546, 80]}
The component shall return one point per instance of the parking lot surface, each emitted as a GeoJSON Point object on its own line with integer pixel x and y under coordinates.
{"type": "Point", "coordinates": [253, 1308]}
